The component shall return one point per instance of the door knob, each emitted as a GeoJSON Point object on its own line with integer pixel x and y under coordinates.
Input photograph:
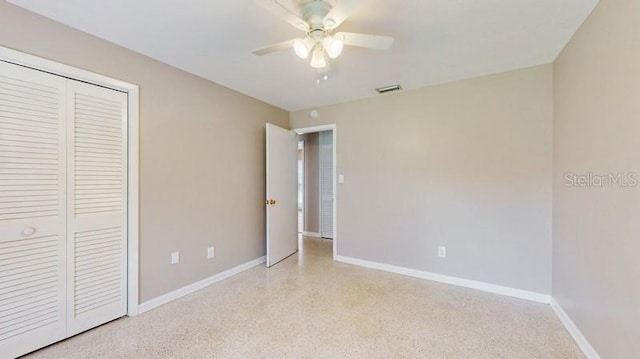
{"type": "Point", "coordinates": [28, 231]}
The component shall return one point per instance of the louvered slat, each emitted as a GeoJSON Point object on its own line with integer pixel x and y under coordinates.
{"type": "Point", "coordinates": [23, 272]}
{"type": "Point", "coordinates": [25, 147]}
{"type": "Point", "coordinates": [98, 155]}
{"type": "Point", "coordinates": [98, 272]}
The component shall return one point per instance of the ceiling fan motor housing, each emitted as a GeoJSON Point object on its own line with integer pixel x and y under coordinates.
{"type": "Point", "coordinates": [318, 35]}
{"type": "Point", "coordinates": [314, 13]}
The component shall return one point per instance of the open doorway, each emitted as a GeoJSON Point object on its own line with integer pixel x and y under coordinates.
{"type": "Point", "coordinates": [282, 239]}
{"type": "Point", "coordinates": [317, 183]}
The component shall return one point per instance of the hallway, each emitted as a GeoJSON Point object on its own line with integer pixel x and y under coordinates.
{"type": "Point", "coordinates": [309, 306]}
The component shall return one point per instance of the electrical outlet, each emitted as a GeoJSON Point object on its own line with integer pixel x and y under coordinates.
{"type": "Point", "coordinates": [175, 257]}
{"type": "Point", "coordinates": [211, 252]}
{"type": "Point", "coordinates": [442, 252]}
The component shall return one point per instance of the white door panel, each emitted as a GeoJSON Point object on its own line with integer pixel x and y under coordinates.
{"type": "Point", "coordinates": [282, 207]}
{"type": "Point", "coordinates": [32, 209]}
{"type": "Point", "coordinates": [97, 220]}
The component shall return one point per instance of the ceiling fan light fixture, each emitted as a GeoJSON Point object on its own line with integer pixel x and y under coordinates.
{"type": "Point", "coordinates": [301, 48]}
{"type": "Point", "coordinates": [318, 19]}
{"type": "Point", "coordinates": [318, 60]}
{"type": "Point", "coordinates": [333, 46]}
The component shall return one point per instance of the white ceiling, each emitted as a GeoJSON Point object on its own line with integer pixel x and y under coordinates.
{"type": "Point", "coordinates": [437, 41]}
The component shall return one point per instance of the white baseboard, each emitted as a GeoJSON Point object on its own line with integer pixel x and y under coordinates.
{"type": "Point", "coordinates": [163, 299]}
{"type": "Point", "coordinates": [467, 283]}
{"type": "Point", "coordinates": [311, 234]}
{"type": "Point", "coordinates": [573, 330]}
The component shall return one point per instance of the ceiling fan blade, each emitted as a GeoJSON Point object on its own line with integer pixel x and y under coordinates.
{"type": "Point", "coordinates": [274, 48]}
{"type": "Point", "coordinates": [277, 8]}
{"type": "Point", "coordinates": [341, 12]}
{"type": "Point", "coordinates": [365, 40]}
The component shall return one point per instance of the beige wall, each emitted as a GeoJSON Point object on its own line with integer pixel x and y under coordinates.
{"type": "Point", "coordinates": [596, 244]}
{"type": "Point", "coordinates": [311, 182]}
{"type": "Point", "coordinates": [201, 154]}
{"type": "Point", "coordinates": [466, 165]}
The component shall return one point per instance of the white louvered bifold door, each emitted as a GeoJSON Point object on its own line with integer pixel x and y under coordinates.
{"type": "Point", "coordinates": [97, 226]}
{"type": "Point", "coordinates": [326, 184]}
{"type": "Point", "coordinates": [32, 210]}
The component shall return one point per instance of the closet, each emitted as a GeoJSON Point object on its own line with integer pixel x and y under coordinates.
{"type": "Point", "coordinates": [63, 207]}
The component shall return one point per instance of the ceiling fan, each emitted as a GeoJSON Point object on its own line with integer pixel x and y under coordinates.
{"type": "Point", "coordinates": [318, 19]}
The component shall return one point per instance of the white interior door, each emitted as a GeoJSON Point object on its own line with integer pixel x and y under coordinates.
{"type": "Point", "coordinates": [282, 208]}
{"type": "Point", "coordinates": [97, 202]}
{"type": "Point", "coordinates": [32, 210]}
{"type": "Point", "coordinates": [326, 184]}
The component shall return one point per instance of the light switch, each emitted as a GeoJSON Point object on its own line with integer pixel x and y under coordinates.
{"type": "Point", "coordinates": [340, 178]}
{"type": "Point", "coordinates": [175, 257]}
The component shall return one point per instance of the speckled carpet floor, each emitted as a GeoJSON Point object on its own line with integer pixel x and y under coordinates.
{"type": "Point", "coordinates": [311, 307]}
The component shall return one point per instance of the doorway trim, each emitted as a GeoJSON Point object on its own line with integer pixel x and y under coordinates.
{"type": "Point", "coordinates": [55, 68]}
{"type": "Point", "coordinates": [334, 128]}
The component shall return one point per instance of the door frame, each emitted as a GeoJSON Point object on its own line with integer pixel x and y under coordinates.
{"type": "Point", "coordinates": [37, 63]}
{"type": "Point", "coordinates": [334, 128]}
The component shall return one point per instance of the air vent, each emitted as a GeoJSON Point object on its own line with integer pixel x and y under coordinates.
{"type": "Point", "coordinates": [388, 89]}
